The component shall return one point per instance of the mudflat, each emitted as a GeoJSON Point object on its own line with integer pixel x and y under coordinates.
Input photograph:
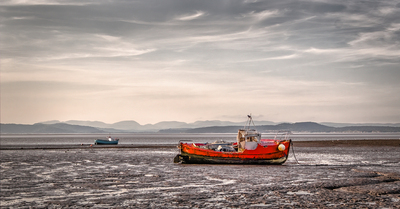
{"type": "Point", "coordinates": [327, 174]}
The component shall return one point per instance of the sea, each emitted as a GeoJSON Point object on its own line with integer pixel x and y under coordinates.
{"type": "Point", "coordinates": [171, 139]}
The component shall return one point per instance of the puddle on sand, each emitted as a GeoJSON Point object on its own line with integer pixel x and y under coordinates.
{"type": "Point", "coordinates": [329, 159]}
{"type": "Point", "coordinates": [261, 205]}
{"type": "Point", "coordinates": [224, 181]}
{"type": "Point", "coordinates": [300, 193]}
{"type": "Point", "coordinates": [216, 199]}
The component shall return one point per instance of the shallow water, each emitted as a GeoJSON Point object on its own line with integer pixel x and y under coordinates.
{"type": "Point", "coordinates": [154, 138]}
{"type": "Point", "coordinates": [147, 178]}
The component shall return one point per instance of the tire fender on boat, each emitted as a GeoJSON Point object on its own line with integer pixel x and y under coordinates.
{"type": "Point", "coordinates": [281, 147]}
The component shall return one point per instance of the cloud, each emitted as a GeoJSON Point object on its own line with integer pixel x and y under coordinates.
{"type": "Point", "coordinates": [43, 2]}
{"type": "Point", "coordinates": [284, 57]}
{"type": "Point", "coordinates": [385, 37]}
{"type": "Point", "coordinates": [262, 15]}
{"type": "Point", "coordinates": [189, 17]}
{"type": "Point", "coordinates": [194, 59]}
{"type": "Point", "coordinates": [367, 45]}
{"type": "Point", "coordinates": [347, 20]}
{"type": "Point", "coordinates": [108, 38]}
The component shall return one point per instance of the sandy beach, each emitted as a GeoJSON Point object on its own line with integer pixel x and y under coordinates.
{"type": "Point", "coordinates": [345, 174]}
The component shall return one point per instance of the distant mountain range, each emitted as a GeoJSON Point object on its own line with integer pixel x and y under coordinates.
{"type": "Point", "coordinates": [294, 127]}
{"type": "Point", "coordinates": [214, 126]}
{"type": "Point", "coordinates": [133, 126]}
{"type": "Point", "coordinates": [46, 128]}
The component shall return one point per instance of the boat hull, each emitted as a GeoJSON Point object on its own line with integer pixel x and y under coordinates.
{"type": "Point", "coordinates": [270, 154]}
{"type": "Point", "coordinates": [199, 159]}
{"type": "Point", "coordinates": [105, 142]}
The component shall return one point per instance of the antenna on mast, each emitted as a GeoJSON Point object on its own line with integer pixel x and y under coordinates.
{"type": "Point", "coordinates": [249, 122]}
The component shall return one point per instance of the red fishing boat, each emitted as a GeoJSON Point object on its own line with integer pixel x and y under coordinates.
{"type": "Point", "coordinates": [248, 149]}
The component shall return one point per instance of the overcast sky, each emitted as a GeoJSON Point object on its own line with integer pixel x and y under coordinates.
{"type": "Point", "coordinates": [188, 60]}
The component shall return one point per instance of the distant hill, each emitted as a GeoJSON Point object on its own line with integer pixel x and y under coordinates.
{"type": "Point", "coordinates": [51, 122]}
{"type": "Point", "coordinates": [180, 127]}
{"type": "Point", "coordinates": [97, 124]}
{"type": "Point", "coordinates": [46, 128]}
{"type": "Point", "coordinates": [299, 127]}
{"type": "Point", "coordinates": [337, 125]}
{"type": "Point", "coordinates": [133, 126]}
{"type": "Point", "coordinates": [294, 127]}
{"type": "Point", "coordinates": [126, 125]}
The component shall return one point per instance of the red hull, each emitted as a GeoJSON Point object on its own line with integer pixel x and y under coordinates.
{"type": "Point", "coordinates": [266, 152]}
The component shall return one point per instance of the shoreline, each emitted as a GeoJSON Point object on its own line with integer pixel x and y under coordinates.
{"type": "Point", "coordinates": [325, 143]}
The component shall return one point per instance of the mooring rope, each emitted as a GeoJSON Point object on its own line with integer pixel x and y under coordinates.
{"type": "Point", "coordinates": [291, 143]}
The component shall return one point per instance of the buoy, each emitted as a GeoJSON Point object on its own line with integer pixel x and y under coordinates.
{"type": "Point", "coordinates": [91, 145]}
{"type": "Point", "coordinates": [281, 147]}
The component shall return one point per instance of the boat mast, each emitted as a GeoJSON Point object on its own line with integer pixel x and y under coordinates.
{"type": "Point", "coordinates": [249, 122]}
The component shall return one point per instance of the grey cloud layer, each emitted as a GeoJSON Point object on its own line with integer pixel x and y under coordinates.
{"type": "Point", "coordinates": [339, 45]}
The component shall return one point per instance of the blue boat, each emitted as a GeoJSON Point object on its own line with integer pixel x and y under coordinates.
{"type": "Point", "coordinates": [109, 141]}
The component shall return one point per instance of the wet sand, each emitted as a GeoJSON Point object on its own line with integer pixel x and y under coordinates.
{"type": "Point", "coordinates": [336, 174]}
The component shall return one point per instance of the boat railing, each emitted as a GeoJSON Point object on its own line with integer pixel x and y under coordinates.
{"type": "Point", "coordinates": [185, 140]}
{"type": "Point", "coordinates": [282, 135]}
